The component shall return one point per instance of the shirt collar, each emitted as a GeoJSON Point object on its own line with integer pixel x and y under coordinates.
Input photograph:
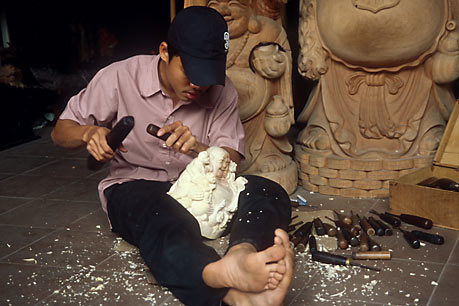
{"type": "Point", "coordinates": [150, 78]}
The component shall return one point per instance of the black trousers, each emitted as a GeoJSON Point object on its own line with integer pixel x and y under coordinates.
{"type": "Point", "coordinates": [169, 238]}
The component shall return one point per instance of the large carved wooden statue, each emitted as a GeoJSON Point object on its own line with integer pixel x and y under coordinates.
{"type": "Point", "coordinates": [383, 97]}
{"type": "Point", "coordinates": [261, 74]}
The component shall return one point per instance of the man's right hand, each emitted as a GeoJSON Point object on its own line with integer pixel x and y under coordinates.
{"type": "Point", "coordinates": [96, 143]}
{"type": "Point", "coordinates": [70, 134]}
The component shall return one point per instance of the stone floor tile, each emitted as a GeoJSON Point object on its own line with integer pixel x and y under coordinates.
{"type": "Point", "coordinates": [454, 259]}
{"type": "Point", "coordinates": [81, 190]}
{"type": "Point", "coordinates": [90, 287]}
{"type": "Point", "coordinates": [31, 186]}
{"type": "Point", "coordinates": [96, 221]}
{"type": "Point", "coordinates": [14, 237]}
{"type": "Point", "coordinates": [446, 291]}
{"type": "Point", "coordinates": [29, 284]}
{"type": "Point", "coordinates": [43, 148]}
{"type": "Point", "coordinates": [5, 175]}
{"type": "Point", "coordinates": [48, 213]}
{"type": "Point", "coordinates": [398, 283]}
{"type": "Point", "coordinates": [8, 203]}
{"type": "Point", "coordinates": [63, 168]}
{"type": "Point", "coordinates": [20, 164]}
{"type": "Point", "coordinates": [67, 249]}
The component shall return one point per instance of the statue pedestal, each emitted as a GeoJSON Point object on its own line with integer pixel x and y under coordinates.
{"type": "Point", "coordinates": [329, 174]}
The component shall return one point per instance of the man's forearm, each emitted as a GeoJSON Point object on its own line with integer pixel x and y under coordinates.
{"type": "Point", "coordinates": [69, 134]}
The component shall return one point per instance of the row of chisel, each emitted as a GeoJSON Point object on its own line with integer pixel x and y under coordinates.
{"type": "Point", "coordinates": [304, 236]}
{"type": "Point", "coordinates": [356, 231]}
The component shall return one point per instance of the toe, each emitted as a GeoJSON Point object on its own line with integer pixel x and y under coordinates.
{"type": "Point", "coordinates": [278, 240]}
{"type": "Point", "coordinates": [280, 233]}
{"type": "Point", "coordinates": [273, 283]}
{"type": "Point", "coordinates": [278, 276]}
{"type": "Point", "coordinates": [274, 253]}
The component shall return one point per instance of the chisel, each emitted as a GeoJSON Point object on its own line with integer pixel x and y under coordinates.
{"type": "Point", "coordinates": [319, 227]}
{"type": "Point", "coordinates": [372, 255]}
{"type": "Point", "coordinates": [389, 219]}
{"type": "Point", "coordinates": [337, 260]}
{"type": "Point", "coordinates": [343, 218]}
{"type": "Point", "coordinates": [414, 220]}
{"type": "Point", "coordinates": [304, 230]}
{"type": "Point", "coordinates": [363, 246]}
{"type": "Point", "coordinates": [330, 229]}
{"type": "Point", "coordinates": [378, 229]}
{"type": "Point", "coordinates": [432, 238]}
{"type": "Point", "coordinates": [387, 230]}
{"type": "Point", "coordinates": [366, 226]}
{"type": "Point", "coordinates": [312, 244]}
{"type": "Point", "coordinates": [412, 240]}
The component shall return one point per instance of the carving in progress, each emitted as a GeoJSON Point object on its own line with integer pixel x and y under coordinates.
{"type": "Point", "coordinates": [383, 95]}
{"type": "Point", "coordinates": [209, 189]}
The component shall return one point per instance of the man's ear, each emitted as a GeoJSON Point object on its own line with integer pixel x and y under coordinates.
{"type": "Point", "coordinates": [163, 52]}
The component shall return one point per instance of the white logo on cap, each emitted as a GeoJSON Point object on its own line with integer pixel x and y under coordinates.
{"type": "Point", "coordinates": [226, 38]}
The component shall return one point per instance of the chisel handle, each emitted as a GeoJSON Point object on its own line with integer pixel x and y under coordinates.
{"type": "Point", "coordinates": [342, 242]}
{"type": "Point", "coordinates": [373, 245]}
{"type": "Point", "coordinates": [378, 229]}
{"type": "Point", "coordinates": [432, 238]}
{"type": "Point", "coordinates": [411, 239]}
{"type": "Point", "coordinates": [363, 246]}
{"type": "Point", "coordinates": [301, 246]}
{"type": "Point", "coordinates": [114, 139]}
{"type": "Point", "coordinates": [389, 219]}
{"type": "Point", "coordinates": [387, 230]}
{"type": "Point", "coordinates": [319, 227]}
{"type": "Point", "coordinates": [340, 224]}
{"type": "Point", "coordinates": [414, 220]}
{"type": "Point", "coordinates": [300, 234]}
{"type": "Point", "coordinates": [372, 255]}
{"type": "Point", "coordinates": [305, 228]}
{"type": "Point", "coordinates": [292, 227]}
{"type": "Point", "coordinates": [355, 230]}
{"type": "Point", "coordinates": [330, 229]}
{"type": "Point", "coordinates": [366, 226]}
{"type": "Point", "coordinates": [312, 244]}
{"type": "Point", "coordinates": [343, 218]}
{"type": "Point", "coordinates": [329, 258]}
{"type": "Point", "coordinates": [352, 240]}
{"type": "Point", "coordinates": [355, 219]}
{"type": "Point", "coordinates": [153, 130]}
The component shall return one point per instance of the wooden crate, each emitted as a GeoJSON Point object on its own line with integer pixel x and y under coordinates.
{"type": "Point", "coordinates": [441, 206]}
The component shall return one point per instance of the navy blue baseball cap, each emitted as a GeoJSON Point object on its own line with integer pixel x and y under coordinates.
{"type": "Point", "coordinates": [200, 35]}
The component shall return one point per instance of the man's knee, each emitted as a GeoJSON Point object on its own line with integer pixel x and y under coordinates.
{"type": "Point", "coordinates": [267, 188]}
{"type": "Point", "coordinates": [267, 193]}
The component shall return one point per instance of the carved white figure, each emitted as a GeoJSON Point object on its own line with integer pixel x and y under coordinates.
{"type": "Point", "coordinates": [209, 189]}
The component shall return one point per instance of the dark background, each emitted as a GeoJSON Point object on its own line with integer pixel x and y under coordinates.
{"type": "Point", "coordinates": [48, 34]}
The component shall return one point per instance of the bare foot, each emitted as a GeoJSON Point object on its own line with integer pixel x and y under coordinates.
{"type": "Point", "coordinates": [273, 297]}
{"type": "Point", "coordinates": [247, 270]}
